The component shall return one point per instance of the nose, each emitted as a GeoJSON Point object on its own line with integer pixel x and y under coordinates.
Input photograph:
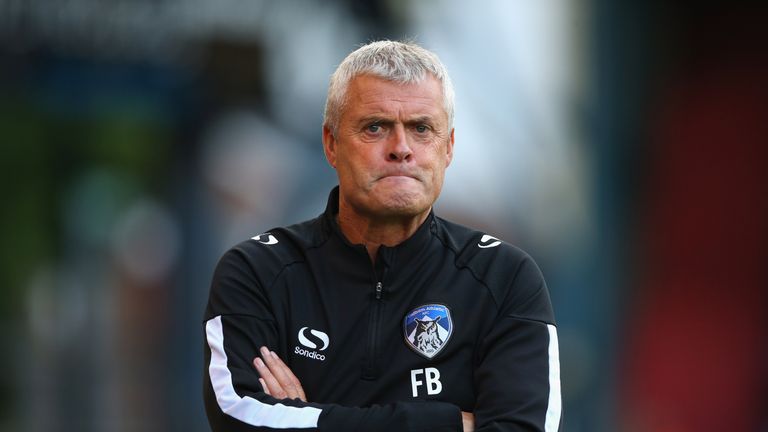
{"type": "Point", "coordinates": [399, 149]}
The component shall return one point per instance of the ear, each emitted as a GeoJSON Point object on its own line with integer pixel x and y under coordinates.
{"type": "Point", "coordinates": [329, 146]}
{"type": "Point", "coordinates": [449, 150]}
{"type": "Point", "coordinates": [438, 319]}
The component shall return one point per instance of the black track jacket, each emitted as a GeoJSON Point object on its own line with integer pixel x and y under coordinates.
{"type": "Point", "coordinates": [450, 320]}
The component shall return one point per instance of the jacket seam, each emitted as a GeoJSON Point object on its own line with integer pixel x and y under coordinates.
{"type": "Point", "coordinates": [460, 266]}
{"type": "Point", "coordinates": [520, 318]}
{"type": "Point", "coordinates": [242, 315]}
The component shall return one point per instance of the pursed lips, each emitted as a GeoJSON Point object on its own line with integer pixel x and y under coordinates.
{"type": "Point", "coordinates": [398, 174]}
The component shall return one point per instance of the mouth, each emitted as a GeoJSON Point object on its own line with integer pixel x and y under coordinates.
{"type": "Point", "coordinates": [398, 176]}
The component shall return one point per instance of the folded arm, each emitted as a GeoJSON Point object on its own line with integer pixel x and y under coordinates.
{"type": "Point", "coordinates": [278, 380]}
{"type": "Point", "coordinates": [238, 399]}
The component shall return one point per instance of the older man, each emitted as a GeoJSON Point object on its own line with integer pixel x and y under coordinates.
{"type": "Point", "coordinates": [378, 315]}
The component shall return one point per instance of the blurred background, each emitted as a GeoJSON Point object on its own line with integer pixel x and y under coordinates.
{"type": "Point", "coordinates": [623, 145]}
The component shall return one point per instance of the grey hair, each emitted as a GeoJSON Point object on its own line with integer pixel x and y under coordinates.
{"type": "Point", "coordinates": [401, 62]}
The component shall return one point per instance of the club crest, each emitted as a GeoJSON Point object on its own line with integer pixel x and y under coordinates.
{"type": "Point", "coordinates": [428, 328]}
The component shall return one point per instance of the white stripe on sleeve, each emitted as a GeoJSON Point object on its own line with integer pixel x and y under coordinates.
{"type": "Point", "coordinates": [248, 409]}
{"type": "Point", "coordinates": [554, 407]}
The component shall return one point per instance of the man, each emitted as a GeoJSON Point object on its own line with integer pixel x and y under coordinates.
{"type": "Point", "coordinates": [379, 315]}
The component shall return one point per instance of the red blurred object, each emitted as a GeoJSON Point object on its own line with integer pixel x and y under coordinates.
{"type": "Point", "coordinates": [696, 353]}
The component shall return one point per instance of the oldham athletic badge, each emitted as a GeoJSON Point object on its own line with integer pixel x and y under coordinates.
{"type": "Point", "coordinates": [428, 328]}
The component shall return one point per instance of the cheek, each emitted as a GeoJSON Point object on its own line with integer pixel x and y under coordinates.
{"type": "Point", "coordinates": [437, 182]}
{"type": "Point", "coordinates": [353, 167]}
{"type": "Point", "coordinates": [439, 163]}
{"type": "Point", "coordinates": [438, 177]}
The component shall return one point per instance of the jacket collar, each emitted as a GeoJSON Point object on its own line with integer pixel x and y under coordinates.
{"type": "Point", "coordinates": [387, 256]}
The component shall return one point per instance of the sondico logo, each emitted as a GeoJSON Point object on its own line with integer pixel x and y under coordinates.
{"type": "Point", "coordinates": [307, 342]}
{"type": "Point", "coordinates": [488, 242]}
{"type": "Point", "coordinates": [265, 238]}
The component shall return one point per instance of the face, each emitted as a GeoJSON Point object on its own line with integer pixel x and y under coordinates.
{"type": "Point", "coordinates": [391, 147]}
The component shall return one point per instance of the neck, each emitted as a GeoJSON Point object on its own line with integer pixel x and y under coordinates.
{"type": "Point", "coordinates": [375, 232]}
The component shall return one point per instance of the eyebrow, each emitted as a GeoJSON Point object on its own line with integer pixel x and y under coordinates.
{"type": "Point", "coordinates": [374, 119]}
{"type": "Point", "coordinates": [388, 120]}
{"type": "Point", "coordinates": [420, 119]}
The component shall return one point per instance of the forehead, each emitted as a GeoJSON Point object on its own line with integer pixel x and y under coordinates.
{"type": "Point", "coordinates": [370, 95]}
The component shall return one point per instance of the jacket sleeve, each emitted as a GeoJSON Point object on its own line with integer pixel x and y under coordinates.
{"type": "Point", "coordinates": [518, 372]}
{"type": "Point", "coordinates": [238, 322]}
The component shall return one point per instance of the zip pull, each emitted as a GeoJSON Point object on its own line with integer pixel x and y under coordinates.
{"type": "Point", "coordinates": [378, 290]}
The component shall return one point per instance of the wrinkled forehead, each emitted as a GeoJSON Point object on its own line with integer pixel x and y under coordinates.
{"type": "Point", "coordinates": [427, 82]}
{"type": "Point", "coordinates": [372, 93]}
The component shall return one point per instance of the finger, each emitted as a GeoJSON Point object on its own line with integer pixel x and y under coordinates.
{"type": "Point", "coordinates": [468, 421]}
{"type": "Point", "coordinates": [281, 373]}
{"type": "Point", "coordinates": [291, 376]}
{"type": "Point", "coordinates": [273, 387]}
{"type": "Point", "coordinates": [275, 376]}
{"type": "Point", "coordinates": [278, 369]}
{"type": "Point", "coordinates": [264, 386]}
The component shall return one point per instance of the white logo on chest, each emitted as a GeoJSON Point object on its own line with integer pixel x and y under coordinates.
{"type": "Point", "coordinates": [312, 345]}
{"type": "Point", "coordinates": [318, 334]}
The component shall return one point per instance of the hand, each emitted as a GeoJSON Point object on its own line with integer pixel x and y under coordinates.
{"type": "Point", "coordinates": [277, 379]}
{"type": "Point", "coordinates": [468, 420]}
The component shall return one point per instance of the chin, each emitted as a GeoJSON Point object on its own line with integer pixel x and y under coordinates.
{"type": "Point", "coordinates": [403, 203]}
{"type": "Point", "coordinates": [391, 201]}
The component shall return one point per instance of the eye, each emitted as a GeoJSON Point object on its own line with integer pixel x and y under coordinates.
{"type": "Point", "coordinates": [373, 128]}
{"type": "Point", "coordinates": [422, 128]}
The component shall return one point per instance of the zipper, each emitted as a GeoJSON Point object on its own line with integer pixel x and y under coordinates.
{"type": "Point", "coordinates": [370, 371]}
